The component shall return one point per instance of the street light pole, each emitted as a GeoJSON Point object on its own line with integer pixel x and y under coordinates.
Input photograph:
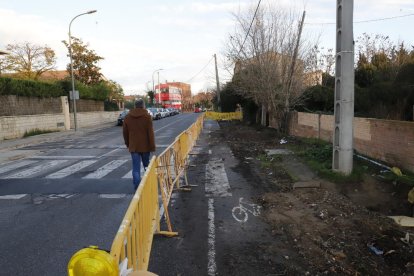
{"type": "Point", "coordinates": [153, 86]}
{"type": "Point", "coordinates": [71, 67]}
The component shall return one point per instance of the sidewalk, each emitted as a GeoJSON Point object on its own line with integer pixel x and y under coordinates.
{"type": "Point", "coordinates": [11, 149]}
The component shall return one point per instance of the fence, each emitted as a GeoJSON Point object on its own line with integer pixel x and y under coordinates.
{"type": "Point", "coordinates": [133, 241]}
{"type": "Point", "coordinates": [224, 116]}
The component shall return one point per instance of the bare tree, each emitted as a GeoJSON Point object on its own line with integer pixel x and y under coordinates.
{"type": "Point", "coordinates": [29, 60]}
{"type": "Point", "coordinates": [266, 69]}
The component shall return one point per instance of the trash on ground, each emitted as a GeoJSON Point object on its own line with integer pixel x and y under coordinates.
{"type": "Point", "coordinates": [283, 141]}
{"type": "Point", "coordinates": [374, 249]}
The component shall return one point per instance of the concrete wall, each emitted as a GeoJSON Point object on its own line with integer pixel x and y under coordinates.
{"type": "Point", "coordinates": [15, 126]}
{"type": "Point", "coordinates": [389, 141]}
{"type": "Point", "coordinates": [85, 119]}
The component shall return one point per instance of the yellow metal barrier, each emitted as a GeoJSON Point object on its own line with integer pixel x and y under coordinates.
{"type": "Point", "coordinates": [134, 237]}
{"type": "Point", "coordinates": [224, 116]}
{"type": "Point", "coordinates": [172, 164]}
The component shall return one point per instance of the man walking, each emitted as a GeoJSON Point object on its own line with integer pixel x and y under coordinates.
{"type": "Point", "coordinates": [139, 139]}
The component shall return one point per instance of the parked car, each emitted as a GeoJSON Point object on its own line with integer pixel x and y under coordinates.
{"type": "Point", "coordinates": [155, 112]}
{"type": "Point", "coordinates": [197, 110]}
{"type": "Point", "coordinates": [164, 113]}
{"type": "Point", "coordinates": [121, 117]}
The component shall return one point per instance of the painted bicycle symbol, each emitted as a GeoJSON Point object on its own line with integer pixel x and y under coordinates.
{"type": "Point", "coordinates": [240, 213]}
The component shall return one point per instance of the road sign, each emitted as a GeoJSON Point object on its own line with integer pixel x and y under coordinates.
{"type": "Point", "coordinates": [76, 95]}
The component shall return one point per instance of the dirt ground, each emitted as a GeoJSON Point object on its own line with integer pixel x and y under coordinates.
{"type": "Point", "coordinates": [334, 229]}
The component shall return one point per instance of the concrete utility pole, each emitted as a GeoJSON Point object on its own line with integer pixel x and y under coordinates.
{"type": "Point", "coordinates": [218, 85]}
{"type": "Point", "coordinates": [342, 160]}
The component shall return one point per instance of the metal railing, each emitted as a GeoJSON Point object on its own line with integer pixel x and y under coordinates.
{"type": "Point", "coordinates": [224, 116]}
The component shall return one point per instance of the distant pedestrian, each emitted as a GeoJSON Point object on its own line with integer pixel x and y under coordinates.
{"type": "Point", "coordinates": [139, 139]}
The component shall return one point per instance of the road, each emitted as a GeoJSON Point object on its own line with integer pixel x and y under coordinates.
{"type": "Point", "coordinates": [70, 193]}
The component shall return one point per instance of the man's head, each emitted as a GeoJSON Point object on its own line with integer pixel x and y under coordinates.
{"type": "Point", "coordinates": [139, 103]}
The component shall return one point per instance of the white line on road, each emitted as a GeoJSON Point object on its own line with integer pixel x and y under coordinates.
{"type": "Point", "coordinates": [18, 196]}
{"type": "Point", "coordinates": [10, 167]}
{"type": "Point", "coordinates": [211, 267]}
{"type": "Point", "coordinates": [168, 125]}
{"type": "Point", "coordinates": [217, 183]}
{"type": "Point", "coordinates": [102, 171]}
{"type": "Point", "coordinates": [112, 196]}
{"type": "Point", "coordinates": [71, 169]}
{"type": "Point", "coordinates": [36, 169]}
{"type": "Point", "coordinates": [129, 174]}
{"type": "Point", "coordinates": [67, 157]}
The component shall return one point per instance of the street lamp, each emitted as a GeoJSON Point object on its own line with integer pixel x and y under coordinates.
{"type": "Point", "coordinates": [153, 87]}
{"type": "Point", "coordinates": [71, 67]}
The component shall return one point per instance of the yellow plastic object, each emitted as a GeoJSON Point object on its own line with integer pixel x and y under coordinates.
{"type": "Point", "coordinates": [92, 261]}
{"type": "Point", "coordinates": [396, 171]}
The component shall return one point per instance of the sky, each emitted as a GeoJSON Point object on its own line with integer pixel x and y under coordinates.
{"type": "Point", "coordinates": [138, 37]}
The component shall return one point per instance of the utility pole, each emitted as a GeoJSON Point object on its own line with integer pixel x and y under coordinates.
{"type": "Point", "coordinates": [218, 85]}
{"type": "Point", "coordinates": [342, 160]}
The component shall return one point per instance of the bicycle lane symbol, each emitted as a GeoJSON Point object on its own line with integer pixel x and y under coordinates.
{"type": "Point", "coordinates": [240, 213]}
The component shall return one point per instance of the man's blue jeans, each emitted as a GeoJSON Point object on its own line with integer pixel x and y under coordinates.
{"type": "Point", "coordinates": [136, 166]}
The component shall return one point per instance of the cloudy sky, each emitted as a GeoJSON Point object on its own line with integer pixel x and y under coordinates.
{"type": "Point", "coordinates": [138, 37]}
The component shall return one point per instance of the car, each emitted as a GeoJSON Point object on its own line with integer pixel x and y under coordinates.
{"type": "Point", "coordinates": [121, 117]}
{"type": "Point", "coordinates": [197, 110]}
{"type": "Point", "coordinates": [163, 112]}
{"type": "Point", "coordinates": [155, 113]}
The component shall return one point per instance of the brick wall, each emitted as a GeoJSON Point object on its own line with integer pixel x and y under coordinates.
{"type": "Point", "coordinates": [12, 105]}
{"type": "Point", "coordinates": [389, 141]}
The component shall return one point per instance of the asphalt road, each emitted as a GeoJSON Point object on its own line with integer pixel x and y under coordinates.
{"type": "Point", "coordinates": [70, 193]}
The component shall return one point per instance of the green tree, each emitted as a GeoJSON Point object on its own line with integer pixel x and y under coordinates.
{"type": "Point", "coordinates": [28, 60]}
{"type": "Point", "coordinates": [85, 62]}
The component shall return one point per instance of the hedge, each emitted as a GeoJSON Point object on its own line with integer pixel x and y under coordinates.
{"type": "Point", "coordinates": [30, 88]}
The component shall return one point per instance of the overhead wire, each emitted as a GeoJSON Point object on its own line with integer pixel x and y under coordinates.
{"type": "Point", "coordinates": [205, 66]}
{"type": "Point", "coordinates": [365, 21]}
{"type": "Point", "coordinates": [248, 31]}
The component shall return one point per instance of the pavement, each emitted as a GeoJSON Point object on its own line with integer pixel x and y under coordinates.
{"type": "Point", "coordinates": [10, 150]}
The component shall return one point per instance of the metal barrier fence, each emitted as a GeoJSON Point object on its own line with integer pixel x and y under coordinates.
{"type": "Point", "coordinates": [224, 116]}
{"type": "Point", "coordinates": [134, 238]}
{"type": "Point", "coordinates": [131, 247]}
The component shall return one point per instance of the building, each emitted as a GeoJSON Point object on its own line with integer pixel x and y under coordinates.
{"type": "Point", "coordinates": [169, 95]}
{"type": "Point", "coordinates": [186, 95]}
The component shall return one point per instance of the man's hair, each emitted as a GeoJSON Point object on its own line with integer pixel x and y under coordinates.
{"type": "Point", "coordinates": [139, 103]}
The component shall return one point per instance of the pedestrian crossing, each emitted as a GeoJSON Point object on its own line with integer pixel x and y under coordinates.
{"type": "Point", "coordinates": [59, 168]}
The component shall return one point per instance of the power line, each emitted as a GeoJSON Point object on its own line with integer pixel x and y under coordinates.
{"type": "Point", "coordinates": [200, 70]}
{"type": "Point", "coordinates": [366, 21]}
{"type": "Point", "coordinates": [248, 31]}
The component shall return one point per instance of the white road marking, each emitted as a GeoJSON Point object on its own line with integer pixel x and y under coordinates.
{"type": "Point", "coordinates": [18, 196]}
{"type": "Point", "coordinates": [106, 169]}
{"type": "Point", "coordinates": [108, 153]}
{"type": "Point", "coordinates": [128, 175]}
{"type": "Point", "coordinates": [36, 169]}
{"type": "Point", "coordinates": [10, 167]}
{"type": "Point", "coordinates": [112, 196]}
{"type": "Point", "coordinates": [168, 125]}
{"type": "Point", "coordinates": [71, 169]}
{"type": "Point", "coordinates": [67, 157]}
{"type": "Point", "coordinates": [217, 183]}
{"type": "Point", "coordinates": [211, 267]}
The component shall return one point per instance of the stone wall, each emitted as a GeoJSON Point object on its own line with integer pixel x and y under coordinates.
{"type": "Point", "coordinates": [389, 141]}
{"type": "Point", "coordinates": [12, 105]}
